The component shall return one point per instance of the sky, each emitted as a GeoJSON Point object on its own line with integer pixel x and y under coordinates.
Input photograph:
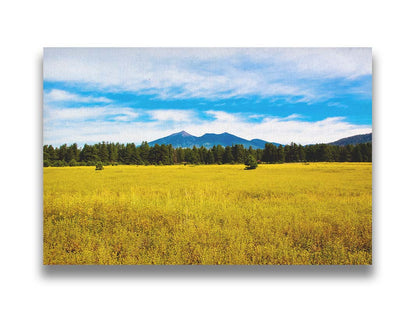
{"type": "Point", "coordinates": [282, 95]}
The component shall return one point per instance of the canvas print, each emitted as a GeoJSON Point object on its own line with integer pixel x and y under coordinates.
{"type": "Point", "coordinates": [208, 156]}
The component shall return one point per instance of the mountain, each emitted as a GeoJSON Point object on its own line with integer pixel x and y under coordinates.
{"type": "Point", "coordinates": [180, 139]}
{"type": "Point", "coordinates": [356, 139]}
{"type": "Point", "coordinates": [259, 142]}
{"type": "Point", "coordinates": [224, 139]}
{"type": "Point", "coordinates": [184, 139]}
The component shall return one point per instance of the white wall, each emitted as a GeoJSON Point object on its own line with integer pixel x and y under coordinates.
{"type": "Point", "coordinates": [28, 26]}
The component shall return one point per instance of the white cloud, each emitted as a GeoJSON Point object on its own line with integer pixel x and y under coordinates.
{"type": "Point", "coordinates": [275, 129]}
{"type": "Point", "coordinates": [256, 116]}
{"type": "Point", "coordinates": [56, 95]}
{"type": "Point", "coordinates": [86, 113]}
{"type": "Point", "coordinates": [337, 104]}
{"type": "Point", "coordinates": [292, 117]}
{"type": "Point", "coordinates": [97, 131]}
{"type": "Point", "coordinates": [330, 62]}
{"type": "Point", "coordinates": [208, 73]}
{"type": "Point", "coordinates": [223, 116]}
{"type": "Point", "coordinates": [172, 115]}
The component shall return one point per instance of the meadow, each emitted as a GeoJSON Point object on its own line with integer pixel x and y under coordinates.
{"type": "Point", "coordinates": [317, 213]}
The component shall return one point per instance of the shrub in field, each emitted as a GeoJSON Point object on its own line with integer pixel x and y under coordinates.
{"type": "Point", "coordinates": [99, 166]}
{"type": "Point", "coordinates": [72, 163]}
{"type": "Point", "coordinates": [251, 163]}
{"type": "Point", "coordinates": [46, 163]}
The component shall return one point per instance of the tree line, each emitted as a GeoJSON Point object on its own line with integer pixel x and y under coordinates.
{"type": "Point", "coordinates": [130, 154]}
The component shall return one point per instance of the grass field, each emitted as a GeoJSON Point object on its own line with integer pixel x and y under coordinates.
{"type": "Point", "coordinates": [277, 214]}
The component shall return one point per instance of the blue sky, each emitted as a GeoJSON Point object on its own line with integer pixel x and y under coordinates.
{"type": "Point", "coordinates": [301, 95]}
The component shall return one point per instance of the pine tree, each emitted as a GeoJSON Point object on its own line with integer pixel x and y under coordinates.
{"type": "Point", "coordinates": [251, 162]}
{"type": "Point", "coordinates": [210, 157]}
{"type": "Point", "coordinates": [103, 152]}
{"type": "Point", "coordinates": [228, 156]}
{"type": "Point", "coordinates": [281, 154]}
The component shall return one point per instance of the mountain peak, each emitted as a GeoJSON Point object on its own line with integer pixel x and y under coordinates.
{"type": "Point", "coordinates": [183, 133]}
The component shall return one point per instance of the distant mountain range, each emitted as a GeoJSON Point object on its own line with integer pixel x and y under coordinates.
{"type": "Point", "coordinates": [184, 139]}
{"type": "Point", "coordinates": [356, 139]}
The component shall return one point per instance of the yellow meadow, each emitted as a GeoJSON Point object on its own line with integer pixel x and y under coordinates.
{"type": "Point", "coordinates": [317, 213]}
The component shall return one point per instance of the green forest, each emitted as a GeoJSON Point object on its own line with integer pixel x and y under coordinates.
{"type": "Point", "coordinates": [130, 154]}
